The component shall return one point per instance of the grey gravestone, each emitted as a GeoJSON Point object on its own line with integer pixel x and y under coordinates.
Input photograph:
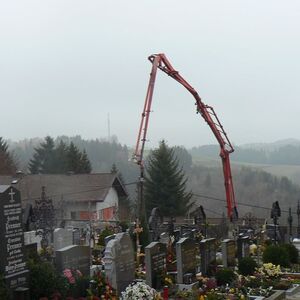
{"type": "Point", "coordinates": [12, 254]}
{"type": "Point", "coordinates": [296, 243]}
{"type": "Point", "coordinates": [155, 221]}
{"type": "Point", "coordinates": [186, 251]}
{"type": "Point", "coordinates": [74, 257]}
{"type": "Point", "coordinates": [30, 237]}
{"type": "Point", "coordinates": [243, 247]}
{"type": "Point", "coordinates": [228, 253]}
{"type": "Point", "coordinates": [108, 238]}
{"type": "Point", "coordinates": [119, 261]}
{"type": "Point", "coordinates": [208, 255]}
{"type": "Point", "coordinates": [62, 238]}
{"type": "Point", "coordinates": [164, 238]}
{"type": "Point", "coordinates": [156, 254]}
{"type": "Point", "coordinates": [76, 236]}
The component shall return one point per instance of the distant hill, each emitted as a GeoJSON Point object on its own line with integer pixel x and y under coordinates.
{"type": "Point", "coordinates": [256, 189]}
{"type": "Point", "coordinates": [285, 152]}
{"type": "Point", "coordinates": [272, 146]}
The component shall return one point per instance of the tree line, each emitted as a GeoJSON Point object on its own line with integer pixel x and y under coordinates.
{"type": "Point", "coordinates": [251, 186]}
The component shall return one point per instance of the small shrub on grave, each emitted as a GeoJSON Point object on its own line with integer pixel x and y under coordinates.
{"type": "Point", "coordinates": [247, 266]}
{"type": "Point", "coordinates": [292, 252]}
{"type": "Point", "coordinates": [225, 276]}
{"type": "Point", "coordinates": [4, 293]}
{"type": "Point", "coordinates": [44, 280]}
{"type": "Point", "coordinates": [104, 233]}
{"type": "Point", "coordinates": [276, 255]}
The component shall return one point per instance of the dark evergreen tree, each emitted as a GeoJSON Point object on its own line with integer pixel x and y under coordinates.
{"type": "Point", "coordinates": [165, 184]}
{"type": "Point", "coordinates": [43, 160]}
{"type": "Point", "coordinates": [7, 163]}
{"type": "Point", "coordinates": [74, 157]}
{"type": "Point", "coordinates": [61, 158]}
{"type": "Point", "coordinates": [85, 165]}
{"type": "Point", "coordinates": [49, 159]}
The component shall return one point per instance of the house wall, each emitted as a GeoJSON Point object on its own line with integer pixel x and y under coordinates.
{"type": "Point", "coordinates": [108, 209]}
{"type": "Point", "coordinates": [79, 210]}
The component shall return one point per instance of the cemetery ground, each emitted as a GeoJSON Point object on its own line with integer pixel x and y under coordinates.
{"type": "Point", "coordinates": [190, 260]}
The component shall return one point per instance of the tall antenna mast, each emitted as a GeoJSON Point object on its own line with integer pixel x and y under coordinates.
{"type": "Point", "coordinates": [108, 127]}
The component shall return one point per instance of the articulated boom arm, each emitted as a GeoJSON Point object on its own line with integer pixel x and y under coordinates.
{"type": "Point", "coordinates": [159, 61]}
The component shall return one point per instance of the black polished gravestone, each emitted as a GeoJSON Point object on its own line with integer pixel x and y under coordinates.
{"type": "Point", "coordinates": [156, 264]}
{"type": "Point", "coordinates": [12, 253]}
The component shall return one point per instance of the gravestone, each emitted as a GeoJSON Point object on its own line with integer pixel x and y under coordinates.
{"type": "Point", "coordinates": [156, 254]}
{"type": "Point", "coordinates": [208, 256]}
{"type": "Point", "coordinates": [186, 251]}
{"type": "Point", "coordinates": [228, 253]}
{"type": "Point", "coordinates": [164, 238]}
{"type": "Point", "coordinates": [155, 221]}
{"type": "Point", "coordinates": [108, 238]}
{"type": "Point", "coordinates": [176, 235]}
{"type": "Point", "coordinates": [62, 238]}
{"type": "Point", "coordinates": [243, 247]}
{"type": "Point", "coordinates": [12, 254]}
{"type": "Point", "coordinates": [30, 237]}
{"type": "Point", "coordinates": [119, 261]}
{"type": "Point", "coordinates": [74, 257]}
{"type": "Point", "coordinates": [76, 236]}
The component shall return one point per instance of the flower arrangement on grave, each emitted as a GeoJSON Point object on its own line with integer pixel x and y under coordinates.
{"type": "Point", "coordinates": [78, 283]}
{"type": "Point", "coordinates": [101, 287]}
{"type": "Point", "coordinates": [140, 272]}
{"type": "Point", "coordinates": [140, 290]}
{"type": "Point", "coordinates": [269, 270]}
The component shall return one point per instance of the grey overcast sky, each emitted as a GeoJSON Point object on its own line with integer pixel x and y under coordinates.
{"type": "Point", "coordinates": [66, 64]}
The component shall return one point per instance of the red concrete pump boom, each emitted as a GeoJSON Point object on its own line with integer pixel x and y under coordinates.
{"type": "Point", "coordinates": [160, 61]}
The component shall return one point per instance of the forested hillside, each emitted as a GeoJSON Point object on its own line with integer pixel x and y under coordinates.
{"type": "Point", "coordinates": [255, 190]}
{"type": "Point", "coordinates": [283, 155]}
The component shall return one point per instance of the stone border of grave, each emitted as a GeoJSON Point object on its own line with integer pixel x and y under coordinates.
{"type": "Point", "coordinates": [293, 290]}
{"type": "Point", "coordinates": [278, 295]}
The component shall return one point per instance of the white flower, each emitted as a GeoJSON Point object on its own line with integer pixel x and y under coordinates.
{"type": "Point", "coordinates": [139, 290]}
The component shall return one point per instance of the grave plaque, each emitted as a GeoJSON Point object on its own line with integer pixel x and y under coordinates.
{"type": "Point", "coordinates": [156, 254]}
{"type": "Point", "coordinates": [186, 251]}
{"type": "Point", "coordinates": [208, 255]}
{"type": "Point", "coordinates": [62, 238]}
{"type": "Point", "coordinates": [228, 253]}
{"type": "Point", "coordinates": [243, 247]}
{"type": "Point", "coordinates": [12, 255]}
{"type": "Point", "coordinates": [119, 261]}
{"type": "Point", "coordinates": [74, 257]}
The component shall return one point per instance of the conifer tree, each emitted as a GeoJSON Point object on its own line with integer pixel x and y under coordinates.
{"type": "Point", "coordinates": [44, 158]}
{"type": "Point", "coordinates": [7, 163]}
{"type": "Point", "coordinates": [165, 183]}
{"type": "Point", "coordinates": [85, 165]}
{"type": "Point", "coordinates": [61, 159]}
{"type": "Point", "coordinates": [73, 158]}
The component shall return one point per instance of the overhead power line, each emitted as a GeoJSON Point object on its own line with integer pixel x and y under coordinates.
{"type": "Point", "coordinates": [239, 203]}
